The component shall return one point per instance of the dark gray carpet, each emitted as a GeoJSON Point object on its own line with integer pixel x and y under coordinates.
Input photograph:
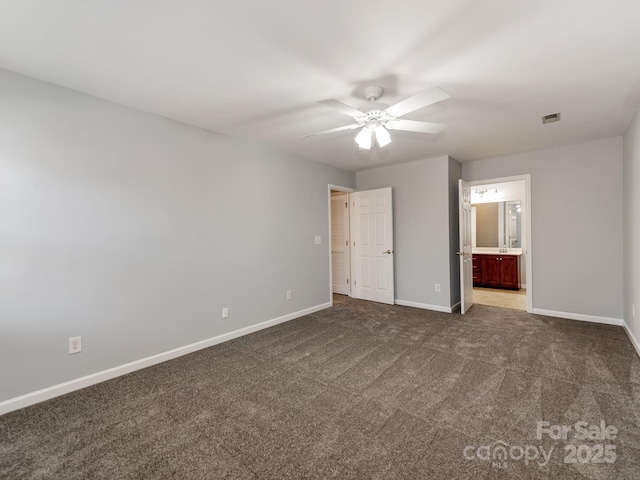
{"type": "Point", "coordinates": [358, 391]}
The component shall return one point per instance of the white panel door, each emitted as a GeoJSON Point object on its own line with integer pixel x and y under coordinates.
{"type": "Point", "coordinates": [340, 259]}
{"type": "Point", "coordinates": [466, 256]}
{"type": "Point", "coordinates": [372, 239]}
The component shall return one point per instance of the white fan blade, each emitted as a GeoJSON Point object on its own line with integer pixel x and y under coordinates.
{"type": "Point", "coordinates": [414, 126]}
{"type": "Point", "coordinates": [420, 100]}
{"type": "Point", "coordinates": [343, 108]}
{"type": "Point", "coordinates": [339, 129]}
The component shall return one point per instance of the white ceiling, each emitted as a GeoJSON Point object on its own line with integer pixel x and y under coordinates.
{"type": "Point", "coordinates": [256, 69]}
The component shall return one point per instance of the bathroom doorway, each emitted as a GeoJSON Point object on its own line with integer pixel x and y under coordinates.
{"type": "Point", "coordinates": [501, 242]}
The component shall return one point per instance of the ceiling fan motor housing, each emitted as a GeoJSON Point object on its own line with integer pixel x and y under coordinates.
{"type": "Point", "coordinates": [375, 113]}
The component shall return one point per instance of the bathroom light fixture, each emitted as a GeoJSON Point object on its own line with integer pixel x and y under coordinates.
{"type": "Point", "coordinates": [482, 190]}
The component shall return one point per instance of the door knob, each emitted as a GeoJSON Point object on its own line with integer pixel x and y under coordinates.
{"type": "Point", "coordinates": [388, 252]}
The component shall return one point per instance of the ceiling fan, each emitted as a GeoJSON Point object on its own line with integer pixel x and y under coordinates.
{"type": "Point", "coordinates": [378, 118]}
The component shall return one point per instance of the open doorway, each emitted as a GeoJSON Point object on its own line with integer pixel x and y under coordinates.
{"type": "Point", "coordinates": [340, 249]}
{"type": "Point", "coordinates": [501, 242]}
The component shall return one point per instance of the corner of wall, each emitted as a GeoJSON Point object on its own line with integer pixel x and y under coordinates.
{"type": "Point", "coordinates": [631, 229]}
{"type": "Point", "coordinates": [634, 340]}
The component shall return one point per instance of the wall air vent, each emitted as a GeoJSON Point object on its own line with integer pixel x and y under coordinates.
{"type": "Point", "coordinates": [552, 117]}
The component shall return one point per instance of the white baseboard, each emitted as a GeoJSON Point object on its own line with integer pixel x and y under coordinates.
{"type": "Point", "coordinates": [578, 316]}
{"type": "Point", "coordinates": [425, 306]}
{"type": "Point", "coordinates": [86, 381]}
{"type": "Point", "coordinates": [634, 340]}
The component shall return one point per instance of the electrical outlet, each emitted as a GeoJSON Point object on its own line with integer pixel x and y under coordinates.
{"type": "Point", "coordinates": [437, 287]}
{"type": "Point", "coordinates": [75, 345]}
{"type": "Point", "coordinates": [289, 295]}
{"type": "Point", "coordinates": [318, 239]}
{"type": "Point", "coordinates": [225, 312]}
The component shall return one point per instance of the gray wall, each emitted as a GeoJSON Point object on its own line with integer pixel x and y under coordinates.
{"type": "Point", "coordinates": [421, 227]}
{"type": "Point", "coordinates": [632, 227]}
{"type": "Point", "coordinates": [576, 216]}
{"type": "Point", "coordinates": [134, 231]}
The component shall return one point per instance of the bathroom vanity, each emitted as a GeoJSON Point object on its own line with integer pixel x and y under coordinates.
{"type": "Point", "coordinates": [496, 270]}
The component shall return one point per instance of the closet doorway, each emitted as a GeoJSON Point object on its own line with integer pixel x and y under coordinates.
{"type": "Point", "coordinates": [361, 250]}
{"type": "Point", "coordinates": [340, 250]}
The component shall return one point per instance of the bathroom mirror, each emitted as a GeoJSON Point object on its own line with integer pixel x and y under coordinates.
{"type": "Point", "coordinates": [498, 224]}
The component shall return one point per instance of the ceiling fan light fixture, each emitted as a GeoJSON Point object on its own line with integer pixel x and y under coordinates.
{"type": "Point", "coordinates": [382, 136]}
{"type": "Point", "coordinates": [378, 118]}
{"type": "Point", "coordinates": [363, 139]}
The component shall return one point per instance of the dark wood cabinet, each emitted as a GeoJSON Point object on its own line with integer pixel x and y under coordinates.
{"type": "Point", "coordinates": [510, 271]}
{"type": "Point", "coordinates": [496, 271]}
{"type": "Point", "coordinates": [491, 270]}
{"type": "Point", "coordinates": [477, 270]}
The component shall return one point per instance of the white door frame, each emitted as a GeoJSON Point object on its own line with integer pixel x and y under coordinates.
{"type": "Point", "coordinates": [527, 185]}
{"type": "Point", "coordinates": [336, 188]}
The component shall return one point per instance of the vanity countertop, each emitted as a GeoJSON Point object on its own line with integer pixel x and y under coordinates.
{"type": "Point", "coordinates": [496, 251]}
